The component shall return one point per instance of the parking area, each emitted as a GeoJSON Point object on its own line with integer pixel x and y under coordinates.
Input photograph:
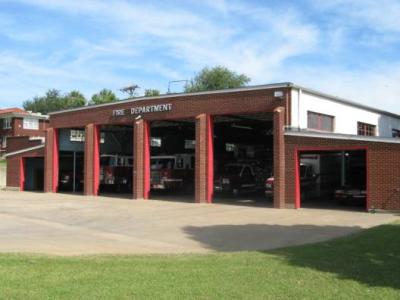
{"type": "Point", "coordinates": [63, 224]}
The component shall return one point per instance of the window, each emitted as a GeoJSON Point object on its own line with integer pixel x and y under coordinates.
{"type": "Point", "coordinates": [31, 123]}
{"type": "Point", "coordinates": [190, 144]}
{"type": "Point", "coordinates": [366, 129]}
{"type": "Point", "coordinates": [77, 135]}
{"type": "Point", "coordinates": [320, 122]}
{"type": "Point", "coordinates": [7, 123]}
{"type": "Point", "coordinates": [396, 133]}
{"type": "Point", "coordinates": [155, 142]}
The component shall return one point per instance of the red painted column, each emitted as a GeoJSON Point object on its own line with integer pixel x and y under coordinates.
{"type": "Point", "coordinates": [96, 159]}
{"type": "Point", "coordinates": [56, 161]}
{"type": "Point", "coordinates": [141, 159]}
{"type": "Point", "coordinates": [51, 161]}
{"type": "Point", "coordinates": [92, 160]}
{"type": "Point", "coordinates": [21, 174]}
{"type": "Point", "coordinates": [204, 181]}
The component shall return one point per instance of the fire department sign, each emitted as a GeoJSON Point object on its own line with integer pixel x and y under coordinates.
{"type": "Point", "coordinates": [142, 110]}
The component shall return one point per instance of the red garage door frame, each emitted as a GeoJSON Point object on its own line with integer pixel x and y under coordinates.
{"type": "Point", "coordinates": [299, 150]}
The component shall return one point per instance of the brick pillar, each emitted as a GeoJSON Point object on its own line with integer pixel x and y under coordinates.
{"type": "Point", "coordinates": [204, 181]}
{"type": "Point", "coordinates": [51, 161]}
{"type": "Point", "coordinates": [92, 160]}
{"type": "Point", "coordinates": [279, 158]}
{"type": "Point", "coordinates": [141, 159]}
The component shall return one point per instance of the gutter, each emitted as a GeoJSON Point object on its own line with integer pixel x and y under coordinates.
{"type": "Point", "coordinates": [24, 150]}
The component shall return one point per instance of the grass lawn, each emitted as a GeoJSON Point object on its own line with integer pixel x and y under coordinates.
{"type": "Point", "coordinates": [362, 266]}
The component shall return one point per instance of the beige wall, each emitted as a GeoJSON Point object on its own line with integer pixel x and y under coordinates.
{"type": "Point", "coordinates": [2, 174]}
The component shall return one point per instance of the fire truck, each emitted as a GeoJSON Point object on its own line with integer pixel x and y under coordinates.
{"type": "Point", "coordinates": [116, 172]}
{"type": "Point", "coordinates": [172, 172]}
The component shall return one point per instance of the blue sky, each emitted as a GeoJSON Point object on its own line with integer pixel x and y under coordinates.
{"type": "Point", "coordinates": [347, 48]}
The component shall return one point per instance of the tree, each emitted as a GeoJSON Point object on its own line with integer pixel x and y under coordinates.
{"type": "Point", "coordinates": [216, 78]}
{"type": "Point", "coordinates": [151, 92]}
{"type": "Point", "coordinates": [104, 96]}
{"type": "Point", "coordinates": [54, 101]}
{"type": "Point", "coordinates": [75, 99]}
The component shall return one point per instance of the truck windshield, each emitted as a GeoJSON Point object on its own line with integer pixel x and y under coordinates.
{"type": "Point", "coordinates": [303, 171]}
{"type": "Point", "coordinates": [164, 163]}
{"type": "Point", "coordinates": [232, 169]}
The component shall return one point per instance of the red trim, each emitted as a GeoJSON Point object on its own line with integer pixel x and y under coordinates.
{"type": "Point", "coordinates": [297, 152]}
{"type": "Point", "coordinates": [21, 174]}
{"type": "Point", "coordinates": [55, 161]}
{"type": "Point", "coordinates": [146, 159]}
{"type": "Point", "coordinates": [297, 200]}
{"type": "Point", "coordinates": [367, 200]}
{"type": "Point", "coordinates": [96, 159]}
{"type": "Point", "coordinates": [210, 159]}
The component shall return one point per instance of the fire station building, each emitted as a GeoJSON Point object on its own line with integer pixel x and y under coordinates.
{"type": "Point", "coordinates": [292, 145]}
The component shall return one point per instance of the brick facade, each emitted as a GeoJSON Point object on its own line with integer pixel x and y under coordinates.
{"type": "Point", "coordinates": [21, 142]}
{"type": "Point", "coordinates": [383, 168]}
{"type": "Point", "coordinates": [14, 167]}
{"type": "Point", "coordinates": [279, 158]}
{"type": "Point", "coordinates": [383, 159]}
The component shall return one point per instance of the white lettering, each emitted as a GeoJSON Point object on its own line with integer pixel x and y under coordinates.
{"type": "Point", "coordinates": [148, 109]}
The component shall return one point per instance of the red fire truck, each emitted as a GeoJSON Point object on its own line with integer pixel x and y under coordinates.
{"type": "Point", "coordinates": [172, 172]}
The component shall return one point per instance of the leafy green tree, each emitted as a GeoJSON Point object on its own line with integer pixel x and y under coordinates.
{"type": "Point", "coordinates": [104, 96]}
{"type": "Point", "coordinates": [216, 78]}
{"type": "Point", "coordinates": [75, 99]}
{"type": "Point", "coordinates": [53, 100]}
{"type": "Point", "coordinates": [151, 92]}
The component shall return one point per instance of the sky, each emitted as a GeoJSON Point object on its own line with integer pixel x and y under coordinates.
{"type": "Point", "coordinates": [346, 48]}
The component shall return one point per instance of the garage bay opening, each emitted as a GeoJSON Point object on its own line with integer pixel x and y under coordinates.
{"type": "Point", "coordinates": [33, 174]}
{"type": "Point", "coordinates": [71, 160]}
{"type": "Point", "coordinates": [116, 160]}
{"type": "Point", "coordinates": [333, 179]}
{"type": "Point", "coordinates": [172, 160]}
{"type": "Point", "coordinates": [243, 158]}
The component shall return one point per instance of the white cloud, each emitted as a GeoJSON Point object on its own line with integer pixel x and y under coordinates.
{"type": "Point", "coordinates": [259, 41]}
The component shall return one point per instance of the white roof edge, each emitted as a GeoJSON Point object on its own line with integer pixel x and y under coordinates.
{"type": "Point", "coordinates": [337, 136]}
{"type": "Point", "coordinates": [344, 101]}
{"type": "Point", "coordinates": [21, 115]}
{"type": "Point", "coordinates": [167, 96]}
{"type": "Point", "coordinates": [24, 150]}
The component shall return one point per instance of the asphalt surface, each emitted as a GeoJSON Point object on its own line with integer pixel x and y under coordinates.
{"type": "Point", "coordinates": [63, 224]}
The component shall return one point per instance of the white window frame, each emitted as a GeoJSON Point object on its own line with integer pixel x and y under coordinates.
{"type": "Point", "coordinates": [7, 123]}
{"type": "Point", "coordinates": [31, 123]}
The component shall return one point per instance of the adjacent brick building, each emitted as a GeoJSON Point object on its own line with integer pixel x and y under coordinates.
{"type": "Point", "coordinates": [16, 122]}
{"type": "Point", "coordinates": [300, 124]}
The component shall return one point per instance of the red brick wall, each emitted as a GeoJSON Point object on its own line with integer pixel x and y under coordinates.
{"type": "Point", "coordinates": [18, 128]}
{"type": "Point", "coordinates": [21, 142]}
{"type": "Point", "coordinates": [279, 157]}
{"type": "Point", "coordinates": [383, 163]}
{"type": "Point", "coordinates": [182, 107]}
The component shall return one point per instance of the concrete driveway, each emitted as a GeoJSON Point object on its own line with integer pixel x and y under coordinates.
{"type": "Point", "coordinates": [71, 225]}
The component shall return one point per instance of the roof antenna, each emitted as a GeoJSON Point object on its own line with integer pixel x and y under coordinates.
{"type": "Point", "coordinates": [131, 90]}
